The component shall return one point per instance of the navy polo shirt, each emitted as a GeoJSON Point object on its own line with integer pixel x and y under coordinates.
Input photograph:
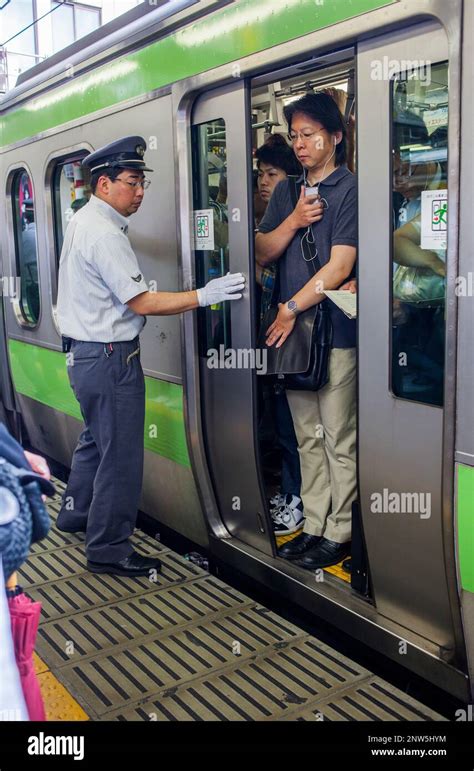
{"type": "Point", "coordinates": [337, 227]}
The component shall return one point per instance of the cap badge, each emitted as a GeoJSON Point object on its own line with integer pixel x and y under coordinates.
{"type": "Point", "coordinates": [140, 150]}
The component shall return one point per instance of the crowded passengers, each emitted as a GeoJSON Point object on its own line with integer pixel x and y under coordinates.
{"type": "Point", "coordinates": [312, 242]}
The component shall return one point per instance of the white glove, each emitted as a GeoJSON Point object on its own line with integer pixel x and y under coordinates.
{"type": "Point", "coordinates": [219, 289]}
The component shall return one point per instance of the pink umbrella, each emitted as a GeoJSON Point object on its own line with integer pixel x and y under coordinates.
{"type": "Point", "coordinates": [24, 616]}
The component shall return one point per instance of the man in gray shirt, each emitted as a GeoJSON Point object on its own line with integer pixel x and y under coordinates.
{"type": "Point", "coordinates": [102, 301]}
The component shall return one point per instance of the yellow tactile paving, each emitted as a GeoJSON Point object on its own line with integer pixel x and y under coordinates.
{"type": "Point", "coordinates": [335, 570]}
{"type": "Point", "coordinates": [39, 664]}
{"type": "Point", "coordinates": [338, 570]}
{"type": "Point", "coordinates": [281, 539]}
{"type": "Point", "coordinates": [58, 702]}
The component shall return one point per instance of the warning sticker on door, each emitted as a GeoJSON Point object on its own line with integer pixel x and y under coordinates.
{"type": "Point", "coordinates": [204, 229]}
{"type": "Point", "coordinates": [434, 219]}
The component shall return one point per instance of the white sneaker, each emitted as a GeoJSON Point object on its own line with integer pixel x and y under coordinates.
{"type": "Point", "coordinates": [275, 502]}
{"type": "Point", "coordinates": [289, 517]}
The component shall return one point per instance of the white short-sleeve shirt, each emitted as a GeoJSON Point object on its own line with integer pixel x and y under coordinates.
{"type": "Point", "coordinates": [98, 275]}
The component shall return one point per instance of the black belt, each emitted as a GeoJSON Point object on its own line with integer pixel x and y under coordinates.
{"type": "Point", "coordinates": [68, 341]}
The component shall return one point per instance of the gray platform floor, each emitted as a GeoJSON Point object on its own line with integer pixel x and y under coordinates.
{"type": "Point", "coordinates": [188, 647]}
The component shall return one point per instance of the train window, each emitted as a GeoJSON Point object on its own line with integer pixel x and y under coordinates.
{"type": "Point", "coordinates": [70, 191]}
{"type": "Point", "coordinates": [419, 200]}
{"type": "Point", "coordinates": [26, 249]}
{"type": "Point", "coordinates": [211, 230]}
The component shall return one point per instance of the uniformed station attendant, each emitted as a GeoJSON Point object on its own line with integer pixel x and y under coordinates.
{"type": "Point", "coordinates": [102, 301]}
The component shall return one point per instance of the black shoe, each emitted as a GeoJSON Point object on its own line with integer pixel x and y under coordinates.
{"type": "Point", "coordinates": [325, 554]}
{"type": "Point", "coordinates": [81, 529]}
{"type": "Point", "coordinates": [293, 550]}
{"type": "Point", "coordinates": [133, 565]}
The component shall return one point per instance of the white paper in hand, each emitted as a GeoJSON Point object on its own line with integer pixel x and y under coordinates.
{"type": "Point", "coordinates": [345, 300]}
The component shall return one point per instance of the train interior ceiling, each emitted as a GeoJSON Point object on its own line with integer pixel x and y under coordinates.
{"type": "Point", "coordinates": [269, 100]}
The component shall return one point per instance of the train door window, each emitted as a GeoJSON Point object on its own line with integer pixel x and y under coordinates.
{"type": "Point", "coordinates": [210, 227]}
{"type": "Point", "coordinates": [26, 248]}
{"type": "Point", "coordinates": [420, 207]}
{"type": "Point", "coordinates": [70, 191]}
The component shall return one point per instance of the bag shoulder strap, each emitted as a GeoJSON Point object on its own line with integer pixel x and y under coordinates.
{"type": "Point", "coordinates": [275, 298]}
{"type": "Point", "coordinates": [293, 191]}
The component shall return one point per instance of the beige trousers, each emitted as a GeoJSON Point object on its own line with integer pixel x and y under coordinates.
{"type": "Point", "coordinates": [325, 426]}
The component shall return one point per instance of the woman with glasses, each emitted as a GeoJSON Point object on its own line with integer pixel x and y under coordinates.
{"type": "Point", "coordinates": [324, 420]}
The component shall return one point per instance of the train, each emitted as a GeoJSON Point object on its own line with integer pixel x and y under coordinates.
{"type": "Point", "coordinates": [204, 82]}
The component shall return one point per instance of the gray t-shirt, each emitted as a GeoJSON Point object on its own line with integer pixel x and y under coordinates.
{"type": "Point", "coordinates": [337, 227]}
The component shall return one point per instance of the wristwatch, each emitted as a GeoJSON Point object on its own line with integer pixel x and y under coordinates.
{"type": "Point", "coordinates": [292, 306]}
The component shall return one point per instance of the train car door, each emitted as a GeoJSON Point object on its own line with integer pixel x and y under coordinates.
{"type": "Point", "coordinates": [223, 241]}
{"type": "Point", "coordinates": [408, 105]}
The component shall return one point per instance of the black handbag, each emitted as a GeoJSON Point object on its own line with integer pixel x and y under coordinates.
{"type": "Point", "coordinates": [302, 362]}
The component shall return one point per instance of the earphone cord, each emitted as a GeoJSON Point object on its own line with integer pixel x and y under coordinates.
{"type": "Point", "coordinates": [309, 235]}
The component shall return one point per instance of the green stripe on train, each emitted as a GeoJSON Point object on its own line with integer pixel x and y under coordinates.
{"type": "Point", "coordinates": [236, 31]}
{"type": "Point", "coordinates": [40, 374]}
{"type": "Point", "coordinates": [465, 508]}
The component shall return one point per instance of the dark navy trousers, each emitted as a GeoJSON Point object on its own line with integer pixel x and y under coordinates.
{"type": "Point", "coordinates": [105, 483]}
{"type": "Point", "coordinates": [290, 460]}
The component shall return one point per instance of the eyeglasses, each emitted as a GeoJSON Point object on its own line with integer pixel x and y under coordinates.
{"type": "Point", "coordinates": [305, 135]}
{"type": "Point", "coordinates": [144, 183]}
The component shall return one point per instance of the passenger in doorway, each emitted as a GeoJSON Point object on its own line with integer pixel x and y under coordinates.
{"type": "Point", "coordinates": [275, 162]}
{"type": "Point", "coordinates": [259, 205]}
{"type": "Point", "coordinates": [325, 420]}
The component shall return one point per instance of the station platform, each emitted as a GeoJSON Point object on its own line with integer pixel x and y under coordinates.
{"type": "Point", "coordinates": [187, 647]}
